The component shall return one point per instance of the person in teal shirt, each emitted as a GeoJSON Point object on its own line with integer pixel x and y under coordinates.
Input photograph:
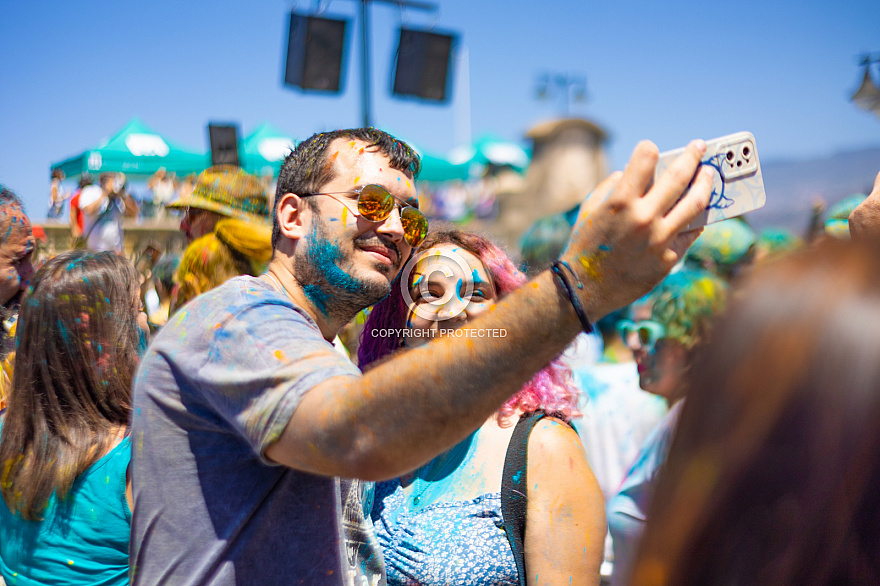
{"type": "Point", "coordinates": [64, 445]}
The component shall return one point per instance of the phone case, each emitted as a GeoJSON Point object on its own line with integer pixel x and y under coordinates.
{"type": "Point", "coordinates": [738, 187]}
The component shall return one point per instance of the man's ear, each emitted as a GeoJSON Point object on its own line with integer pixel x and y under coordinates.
{"type": "Point", "coordinates": [290, 216]}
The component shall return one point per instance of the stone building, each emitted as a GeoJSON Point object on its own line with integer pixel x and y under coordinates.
{"type": "Point", "coordinates": [568, 161]}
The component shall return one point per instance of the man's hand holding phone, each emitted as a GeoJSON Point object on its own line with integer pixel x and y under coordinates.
{"type": "Point", "coordinates": [629, 232]}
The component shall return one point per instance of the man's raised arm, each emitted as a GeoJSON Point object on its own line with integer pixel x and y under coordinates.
{"type": "Point", "coordinates": [414, 406]}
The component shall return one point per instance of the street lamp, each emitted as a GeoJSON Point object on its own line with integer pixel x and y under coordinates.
{"type": "Point", "coordinates": [867, 97]}
{"type": "Point", "coordinates": [563, 85]}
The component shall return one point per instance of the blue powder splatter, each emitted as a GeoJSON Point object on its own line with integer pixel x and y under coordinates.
{"type": "Point", "coordinates": [325, 256]}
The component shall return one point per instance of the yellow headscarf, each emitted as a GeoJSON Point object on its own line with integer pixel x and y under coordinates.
{"type": "Point", "coordinates": [235, 247]}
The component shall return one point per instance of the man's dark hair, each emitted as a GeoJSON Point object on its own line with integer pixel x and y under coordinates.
{"type": "Point", "coordinates": [309, 167]}
{"type": "Point", "coordinates": [10, 219]}
{"type": "Point", "coordinates": [8, 198]}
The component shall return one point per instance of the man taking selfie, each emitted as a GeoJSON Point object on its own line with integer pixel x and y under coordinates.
{"type": "Point", "coordinates": [246, 418]}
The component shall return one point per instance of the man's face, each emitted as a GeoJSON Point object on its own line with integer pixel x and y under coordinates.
{"type": "Point", "coordinates": [197, 222]}
{"type": "Point", "coordinates": [347, 257]}
{"type": "Point", "coordinates": [15, 255]}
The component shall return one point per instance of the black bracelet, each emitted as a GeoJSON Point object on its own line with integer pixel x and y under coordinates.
{"type": "Point", "coordinates": [557, 268]}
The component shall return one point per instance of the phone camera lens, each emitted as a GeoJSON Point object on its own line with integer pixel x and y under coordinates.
{"type": "Point", "coordinates": [746, 151]}
{"type": "Point", "coordinates": [729, 155]}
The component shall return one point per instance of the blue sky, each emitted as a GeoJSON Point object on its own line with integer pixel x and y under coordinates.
{"type": "Point", "coordinates": [74, 72]}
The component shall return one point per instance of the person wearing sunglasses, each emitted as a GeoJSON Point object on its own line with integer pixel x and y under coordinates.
{"type": "Point", "coordinates": [445, 522]}
{"type": "Point", "coordinates": [256, 441]}
{"type": "Point", "coordinates": [664, 328]}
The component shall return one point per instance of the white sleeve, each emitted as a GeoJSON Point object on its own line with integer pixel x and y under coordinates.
{"type": "Point", "coordinates": [89, 195]}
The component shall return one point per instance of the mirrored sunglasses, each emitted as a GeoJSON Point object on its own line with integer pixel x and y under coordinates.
{"type": "Point", "coordinates": [375, 203]}
{"type": "Point", "coordinates": [648, 331]}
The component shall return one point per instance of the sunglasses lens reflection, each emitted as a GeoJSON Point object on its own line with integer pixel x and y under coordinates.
{"type": "Point", "coordinates": [375, 203]}
{"type": "Point", "coordinates": [415, 225]}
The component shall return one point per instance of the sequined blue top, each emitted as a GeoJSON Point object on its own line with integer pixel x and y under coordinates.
{"type": "Point", "coordinates": [459, 543]}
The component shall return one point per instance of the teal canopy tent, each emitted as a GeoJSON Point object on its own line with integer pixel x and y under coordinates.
{"type": "Point", "coordinates": [263, 150]}
{"type": "Point", "coordinates": [438, 169]}
{"type": "Point", "coordinates": [136, 151]}
{"type": "Point", "coordinates": [491, 150]}
{"type": "Point", "coordinates": [435, 168]}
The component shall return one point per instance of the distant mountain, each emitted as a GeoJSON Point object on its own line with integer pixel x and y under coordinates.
{"type": "Point", "coordinates": [793, 186]}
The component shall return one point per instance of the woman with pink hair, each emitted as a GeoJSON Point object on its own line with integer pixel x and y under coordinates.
{"type": "Point", "coordinates": [443, 523]}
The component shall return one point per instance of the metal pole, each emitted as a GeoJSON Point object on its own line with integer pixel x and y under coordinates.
{"type": "Point", "coordinates": [463, 113]}
{"type": "Point", "coordinates": [365, 63]}
{"type": "Point", "coordinates": [564, 83]}
{"type": "Point", "coordinates": [365, 48]}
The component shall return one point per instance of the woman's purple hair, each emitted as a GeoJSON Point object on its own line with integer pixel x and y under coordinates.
{"type": "Point", "coordinates": [551, 389]}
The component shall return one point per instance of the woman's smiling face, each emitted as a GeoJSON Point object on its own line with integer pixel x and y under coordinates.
{"type": "Point", "coordinates": [449, 287]}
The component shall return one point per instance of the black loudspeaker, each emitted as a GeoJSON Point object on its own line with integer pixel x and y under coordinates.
{"type": "Point", "coordinates": [224, 144]}
{"type": "Point", "coordinates": [314, 53]}
{"type": "Point", "coordinates": [422, 68]}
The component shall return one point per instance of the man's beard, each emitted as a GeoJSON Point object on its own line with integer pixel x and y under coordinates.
{"type": "Point", "coordinates": [333, 291]}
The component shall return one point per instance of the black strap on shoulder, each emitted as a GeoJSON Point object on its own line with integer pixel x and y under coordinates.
{"type": "Point", "coordinates": [514, 482]}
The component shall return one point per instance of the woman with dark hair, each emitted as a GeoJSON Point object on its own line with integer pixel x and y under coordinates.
{"type": "Point", "coordinates": [773, 475]}
{"type": "Point", "coordinates": [64, 446]}
{"type": "Point", "coordinates": [443, 523]}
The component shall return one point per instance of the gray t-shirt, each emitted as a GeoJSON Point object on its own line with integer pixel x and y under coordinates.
{"type": "Point", "coordinates": [217, 387]}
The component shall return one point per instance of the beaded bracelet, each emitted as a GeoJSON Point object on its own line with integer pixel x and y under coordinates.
{"type": "Point", "coordinates": [557, 268]}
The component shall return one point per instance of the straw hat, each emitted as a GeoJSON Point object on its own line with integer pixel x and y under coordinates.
{"type": "Point", "coordinates": [228, 190]}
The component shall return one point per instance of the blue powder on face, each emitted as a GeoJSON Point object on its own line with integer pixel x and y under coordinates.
{"type": "Point", "coordinates": [325, 256]}
{"type": "Point", "coordinates": [143, 342]}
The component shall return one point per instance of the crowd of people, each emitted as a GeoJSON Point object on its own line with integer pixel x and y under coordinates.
{"type": "Point", "coordinates": [203, 426]}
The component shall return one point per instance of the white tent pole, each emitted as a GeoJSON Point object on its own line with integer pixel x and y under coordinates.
{"type": "Point", "coordinates": [462, 113]}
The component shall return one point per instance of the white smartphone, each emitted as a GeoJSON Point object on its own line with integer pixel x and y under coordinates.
{"type": "Point", "coordinates": [738, 187]}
